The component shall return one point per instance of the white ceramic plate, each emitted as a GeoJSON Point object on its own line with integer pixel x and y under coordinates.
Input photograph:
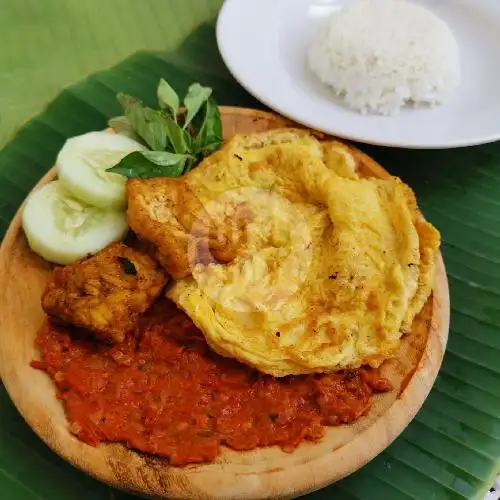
{"type": "Point", "coordinates": [264, 45]}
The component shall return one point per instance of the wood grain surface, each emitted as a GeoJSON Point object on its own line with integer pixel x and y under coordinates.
{"type": "Point", "coordinates": [263, 473]}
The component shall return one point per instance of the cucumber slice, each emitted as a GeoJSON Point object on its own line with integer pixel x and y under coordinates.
{"type": "Point", "coordinates": [82, 164]}
{"type": "Point", "coordinates": [62, 229]}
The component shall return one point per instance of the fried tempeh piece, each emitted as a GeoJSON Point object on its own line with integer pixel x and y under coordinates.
{"type": "Point", "coordinates": [105, 293]}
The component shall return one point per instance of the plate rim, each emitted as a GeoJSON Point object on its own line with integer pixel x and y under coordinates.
{"type": "Point", "coordinates": [314, 474]}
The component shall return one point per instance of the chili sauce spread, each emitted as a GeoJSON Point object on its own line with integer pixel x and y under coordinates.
{"type": "Point", "coordinates": [164, 392]}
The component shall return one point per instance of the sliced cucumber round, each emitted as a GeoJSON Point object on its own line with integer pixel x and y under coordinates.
{"type": "Point", "coordinates": [82, 164]}
{"type": "Point", "coordinates": [62, 229]}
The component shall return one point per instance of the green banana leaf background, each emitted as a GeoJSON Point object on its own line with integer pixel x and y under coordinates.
{"type": "Point", "coordinates": [452, 448]}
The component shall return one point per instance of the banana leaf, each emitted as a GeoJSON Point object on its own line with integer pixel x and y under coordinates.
{"type": "Point", "coordinates": [452, 449]}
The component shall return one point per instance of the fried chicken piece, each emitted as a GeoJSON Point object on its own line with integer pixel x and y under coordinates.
{"type": "Point", "coordinates": [105, 293]}
{"type": "Point", "coordinates": [167, 213]}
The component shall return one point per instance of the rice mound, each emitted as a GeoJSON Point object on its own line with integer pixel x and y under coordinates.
{"type": "Point", "coordinates": [382, 54]}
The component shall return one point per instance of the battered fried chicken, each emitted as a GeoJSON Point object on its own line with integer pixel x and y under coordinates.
{"type": "Point", "coordinates": [105, 293]}
{"type": "Point", "coordinates": [168, 214]}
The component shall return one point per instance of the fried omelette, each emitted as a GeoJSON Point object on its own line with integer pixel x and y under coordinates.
{"type": "Point", "coordinates": [323, 271]}
{"type": "Point", "coordinates": [105, 293]}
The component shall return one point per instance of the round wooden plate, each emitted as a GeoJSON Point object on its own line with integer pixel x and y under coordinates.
{"type": "Point", "coordinates": [264, 473]}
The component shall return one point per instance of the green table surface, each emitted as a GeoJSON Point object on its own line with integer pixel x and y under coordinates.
{"type": "Point", "coordinates": [452, 449]}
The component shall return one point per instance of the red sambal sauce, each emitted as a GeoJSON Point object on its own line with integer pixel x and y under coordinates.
{"type": "Point", "coordinates": [164, 392]}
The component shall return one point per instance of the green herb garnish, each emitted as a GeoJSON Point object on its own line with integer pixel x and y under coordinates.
{"type": "Point", "coordinates": [178, 139]}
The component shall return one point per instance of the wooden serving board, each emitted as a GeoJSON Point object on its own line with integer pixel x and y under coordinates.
{"type": "Point", "coordinates": [264, 473]}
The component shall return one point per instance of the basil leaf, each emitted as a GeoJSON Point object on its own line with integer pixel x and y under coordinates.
{"type": "Point", "coordinates": [147, 164]}
{"type": "Point", "coordinates": [146, 122]}
{"type": "Point", "coordinates": [178, 138]}
{"type": "Point", "coordinates": [168, 98]}
{"type": "Point", "coordinates": [196, 96]}
{"type": "Point", "coordinates": [121, 125]}
{"type": "Point", "coordinates": [164, 158]}
{"type": "Point", "coordinates": [188, 140]}
{"type": "Point", "coordinates": [209, 138]}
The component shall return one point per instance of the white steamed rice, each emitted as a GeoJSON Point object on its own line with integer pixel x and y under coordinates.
{"type": "Point", "coordinates": [381, 54]}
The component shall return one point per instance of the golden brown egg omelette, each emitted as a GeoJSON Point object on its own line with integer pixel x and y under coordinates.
{"type": "Point", "coordinates": [331, 268]}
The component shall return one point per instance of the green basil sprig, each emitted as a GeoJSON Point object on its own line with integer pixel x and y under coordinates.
{"type": "Point", "coordinates": [178, 139]}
